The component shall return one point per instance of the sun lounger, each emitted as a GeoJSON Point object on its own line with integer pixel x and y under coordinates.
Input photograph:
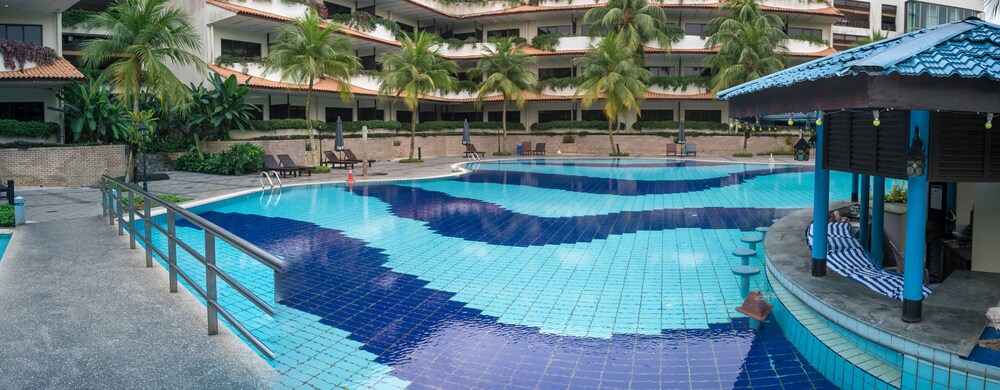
{"type": "Point", "coordinates": [287, 162]}
{"type": "Point", "coordinates": [349, 155]}
{"type": "Point", "coordinates": [690, 150]}
{"type": "Point", "coordinates": [470, 149]}
{"type": "Point", "coordinates": [333, 160]}
{"type": "Point", "coordinates": [539, 149]}
{"type": "Point", "coordinates": [272, 164]}
{"type": "Point", "coordinates": [671, 149]}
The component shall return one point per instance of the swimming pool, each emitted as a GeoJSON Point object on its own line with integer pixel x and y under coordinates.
{"type": "Point", "coordinates": [4, 240]}
{"type": "Point", "coordinates": [524, 274]}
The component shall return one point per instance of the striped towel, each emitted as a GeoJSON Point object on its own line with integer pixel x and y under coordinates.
{"type": "Point", "coordinates": [846, 257]}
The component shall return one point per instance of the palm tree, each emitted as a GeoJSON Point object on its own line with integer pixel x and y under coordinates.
{"type": "Point", "coordinates": [308, 50]}
{"type": "Point", "coordinates": [143, 37]}
{"type": "Point", "coordinates": [505, 71]}
{"type": "Point", "coordinates": [612, 71]}
{"type": "Point", "coordinates": [413, 71]}
{"type": "Point", "coordinates": [635, 21]}
{"type": "Point", "coordinates": [875, 36]}
{"type": "Point", "coordinates": [752, 44]}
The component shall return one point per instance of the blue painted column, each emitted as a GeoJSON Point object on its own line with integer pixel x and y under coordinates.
{"type": "Point", "coordinates": [916, 222]}
{"type": "Point", "coordinates": [854, 187]}
{"type": "Point", "coordinates": [821, 208]}
{"type": "Point", "coordinates": [866, 183]}
{"type": "Point", "coordinates": [878, 221]}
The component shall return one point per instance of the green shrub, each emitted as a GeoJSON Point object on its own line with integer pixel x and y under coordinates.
{"type": "Point", "coordinates": [680, 82]}
{"type": "Point", "coordinates": [778, 152]}
{"type": "Point", "coordinates": [898, 193]}
{"type": "Point", "coordinates": [688, 125]}
{"type": "Point", "coordinates": [457, 125]}
{"type": "Point", "coordinates": [322, 169]}
{"type": "Point", "coordinates": [15, 128]}
{"type": "Point", "coordinates": [562, 82]}
{"type": "Point", "coordinates": [590, 125]}
{"type": "Point", "coordinates": [742, 154]}
{"type": "Point", "coordinates": [349, 126]}
{"type": "Point", "coordinates": [173, 145]}
{"type": "Point", "coordinates": [618, 154]}
{"type": "Point", "coordinates": [237, 159]}
{"type": "Point", "coordinates": [152, 176]}
{"type": "Point", "coordinates": [501, 153]}
{"type": "Point", "coordinates": [411, 160]}
{"type": "Point", "coordinates": [547, 41]}
{"type": "Point", "coordinates": [173, 198]}
{"type": "Point", "coordinates": [76, 16]}
{"type": "Point", "coordinates": [6, 215]}
{"type": "Point", "coordinates": [569, 139]}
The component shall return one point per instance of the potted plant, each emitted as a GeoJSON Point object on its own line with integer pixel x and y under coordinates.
{"type": "Point", "coordinates": [895, 215]}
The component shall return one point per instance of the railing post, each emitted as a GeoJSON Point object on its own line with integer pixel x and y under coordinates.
{"type": "Point", "coordinates": [131, 219]}
{"type": "Point", "coordinates": [210, 284]}
{"type": "Point", "coordinates": [119, 204]}
{"type": "Point", "coordinates": [104, 199]}
{"type": "Point", "coordinates": [172, 249]}
{"type": "Point", "coordinates": [111, 204]}
{"type": "Point", "coordinates": [147, 237]}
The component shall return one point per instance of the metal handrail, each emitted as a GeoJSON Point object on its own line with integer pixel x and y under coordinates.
{"type": "Point", "coordinates": [114, 205]}
{"type": "Point", "coordinates": [267, 174]}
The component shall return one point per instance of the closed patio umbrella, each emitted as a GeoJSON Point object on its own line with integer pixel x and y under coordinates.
{"type": "Point", "coordinates": [465, 133]}
{"type": "Point", "coordinates": [339, 143]}
{"type": "Point", "coordinates": [680, 133]}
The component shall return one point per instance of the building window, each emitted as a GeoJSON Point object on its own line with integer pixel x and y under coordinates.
{"type": "Point", "coordinates": [334, 9]}
{"type": "Point", "coordinates": [27, 33]}
{"type": "Point", "coordinates": [23, 111]}
{"type": "Point", "coordinates": [345, 114]}
{"type": "Point", "coordinates": [554, 73]}
{"type": "Point", "coordinates": [370, 63]}
{"type": "Point", "coordinates": [564, 30]}
{"type": "Point", "coordinates": [258, 114]}
{"type": "Point", "coordinates": [554, 115]}
{"type": "Point", "coordinates": [593, 115]}
{"type": "Point", "coordinates": [703, 115]}
{"type": "Point", "coordinates": [793, 31]}
{"type": "Point", "coordinates": [853, 5]}
{"type": "Point", "coordinates": [889, 17]}
{"type": "Point", "coordinates": [922, 15]}
{"type": "Point", "coordinates": [370, 114]}
{"type": "Point", "coordinates": [584, 29]}
{"type": "Point", "coordinates": [465, 35]}
{"type": "Point", "coordinates": [473, 116]}
{"type": "Point", "coordinates": [285, 111]}
{"type": "Point", "coordinates": [845, 41]}
{"type": "Point", "coordinates": [512, 32]}
{"type": "Point", "coordinates": [512, 116]}
{"type": "Point", "coordinates": [697, 71]}
{"type": "Point", "coordinates": [404, 116]}
{"type": "Point", "coordinates": [657, 115]}
{"type": "Point", "coordinates": [406, 27]}
{"type": "Point", "coordinates": [698, 29]}
{"type": "Point", "coordinates": [655, 71]}
{"type": "Point", "coordinates": [240, 48]}
{"type": "Point", "coordinates": [428, 116]}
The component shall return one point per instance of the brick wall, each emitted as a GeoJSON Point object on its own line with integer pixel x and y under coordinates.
{"type": "Point", "coordinates": [70, 166]}
{"type": "Point", "coordinates": [382, 149]}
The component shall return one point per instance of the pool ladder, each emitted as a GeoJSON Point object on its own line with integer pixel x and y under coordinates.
{"type": "Point", "coordinates": [270, 183]}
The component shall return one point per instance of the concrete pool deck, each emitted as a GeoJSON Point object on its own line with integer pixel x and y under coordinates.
{"type": "Point", "coordinates": [82, 310]}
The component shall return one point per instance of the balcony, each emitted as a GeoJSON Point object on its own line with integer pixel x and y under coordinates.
{"type": "Point", "coordinates": [852, 5]}
{"type": "Point", "coordinates": [853, 23]}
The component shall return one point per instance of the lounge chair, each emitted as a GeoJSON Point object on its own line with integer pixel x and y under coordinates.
{"type": "Point", "coordinates": [287, 162]}
{"type": "Point", "coordinates": [690, 150]}
{"type": "Point", "coordinates": [470, 149]}
{"type": "Point", "coordinates": [272, 164]}
{"type": "Point", "coordinates": [539, 149]}
{"type": "Point", "coordinates": [349, 155]}
{"type": "Point", "coordinates": [525, 148]}
{"type": "Point", "coordinates": [333, 160]}
{"type": "Point", "coordinates": [671, 149]}
{"type": "Point", "coordinates": [7, 191]}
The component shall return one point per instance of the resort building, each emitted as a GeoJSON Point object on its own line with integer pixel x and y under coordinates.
{"type": "Point", "coordinates": [28, 89]}
{"type": "Point", "coordinates": [893, 17]}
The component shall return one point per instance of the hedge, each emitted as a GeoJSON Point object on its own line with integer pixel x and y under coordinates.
{"type": "Point", "coordinates": [453, 125]}
{"type": "Point", "coordinates": [589, 125]}
{"type": "Point", "coordinates": [27, 129]}
{"type": "Point", "coordinates": [693, 125]}
{"type": "Point", "coordinates": [6, 215]}
{"type": "Point", "coordinates": [282, 124]}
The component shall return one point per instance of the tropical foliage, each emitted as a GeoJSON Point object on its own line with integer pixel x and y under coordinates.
{"type": "Point", "coordinates": [751, 44]}
{"type": "Point", "coordinates": [308, 50]}
{"type": "Point", "coordinates": [237, 159]}
{"type": "Point", "coordinates": [635, 22]}
{"type": "Point", "coordinates": [413, 71]}
{"type": "Point", "coordinates": [504, 71]}
{"type": "Point", "coordinates": [16, 54]}
{"type": "Point", "coordinates": [875, 36]}
{"type": "Point", "coordinates": [547, 41]}
{"type": "Point", "coordinates": [91, 113]}
{"type": "Point", "coordinates": [220, 108]}
{"type": "Point", "coordinates": [611, 71]}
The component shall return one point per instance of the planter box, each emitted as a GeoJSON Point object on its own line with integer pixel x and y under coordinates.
{"type": "Point", "coordinates": [895, 227]}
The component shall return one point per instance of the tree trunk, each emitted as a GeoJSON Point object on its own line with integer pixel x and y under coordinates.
{"type": "Point", "coordinates": [413, 130]}
{"type": "Point", "coordinates": [611, 135]}
{"type": "Point", "coordinates": [503, 125]}
{"type": "Point", "coordinates": [309, 128]}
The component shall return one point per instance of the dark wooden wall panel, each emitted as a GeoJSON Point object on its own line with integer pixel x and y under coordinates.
{"type": "Point", "coordinates": [837, 141]}
{"type": "Point", "coordinates": [962, 149]}
{"type": "Point", "coordinates": [862, 143]}
{"type": "Point", "coordinates": [854, 144]}
{"type": "Point", "coordinates": [893, 141]}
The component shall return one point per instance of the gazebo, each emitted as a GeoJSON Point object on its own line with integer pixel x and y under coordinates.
{"type": "Point", "coordinates": [915, 107]}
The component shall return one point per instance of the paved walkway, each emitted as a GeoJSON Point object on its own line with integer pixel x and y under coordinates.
{"type": "Point", "coordinates": [79, 309]}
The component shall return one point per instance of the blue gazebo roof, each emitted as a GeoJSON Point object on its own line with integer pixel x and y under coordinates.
{"type": "Point", "coordinates": [969, 48]}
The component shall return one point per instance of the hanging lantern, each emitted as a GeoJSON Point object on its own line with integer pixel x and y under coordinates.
{"type": "Point", "coordinates": [876, 121]}
{"type": "Point", "coordinates": [812, 140]}
{"type": "Point", "coordinates": [819, 121]}
{"type": "Point", "coordinates": [801, 149]}
{"type": "Point", "coordinates": [915, 157]}
{"type": "Point", "coordinates": [989, 121]}
{"type": "Point", "coordinates": [790, 121]}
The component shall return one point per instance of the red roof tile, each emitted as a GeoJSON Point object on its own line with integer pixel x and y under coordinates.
{"type": "Point", "coordinates": [60, 69]}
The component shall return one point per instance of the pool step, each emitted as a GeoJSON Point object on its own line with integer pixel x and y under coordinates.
{"type": "Point", "coordinates": [834, 340]}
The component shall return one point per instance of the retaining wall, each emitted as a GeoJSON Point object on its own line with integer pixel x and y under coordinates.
{"type": "Point", "coordinates": [69, 166]}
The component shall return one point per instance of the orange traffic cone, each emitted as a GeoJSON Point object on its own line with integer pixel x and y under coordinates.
{"type": "Point", "coordinates": [350, 176]}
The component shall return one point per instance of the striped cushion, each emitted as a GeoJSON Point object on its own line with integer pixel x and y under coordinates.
{"type": "Point", "coordinates": [846, 257]}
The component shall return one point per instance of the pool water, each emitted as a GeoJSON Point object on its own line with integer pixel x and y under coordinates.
{"type": "Point", "coordinates": [4, 240]}
{"type": "Point", "coordinates": [521, 274]}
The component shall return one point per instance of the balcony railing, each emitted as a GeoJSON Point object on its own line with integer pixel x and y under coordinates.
{"type": "Point", "coordinates": [853, 23]}
{"type": "Point", "coordinates": [851, 4]}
